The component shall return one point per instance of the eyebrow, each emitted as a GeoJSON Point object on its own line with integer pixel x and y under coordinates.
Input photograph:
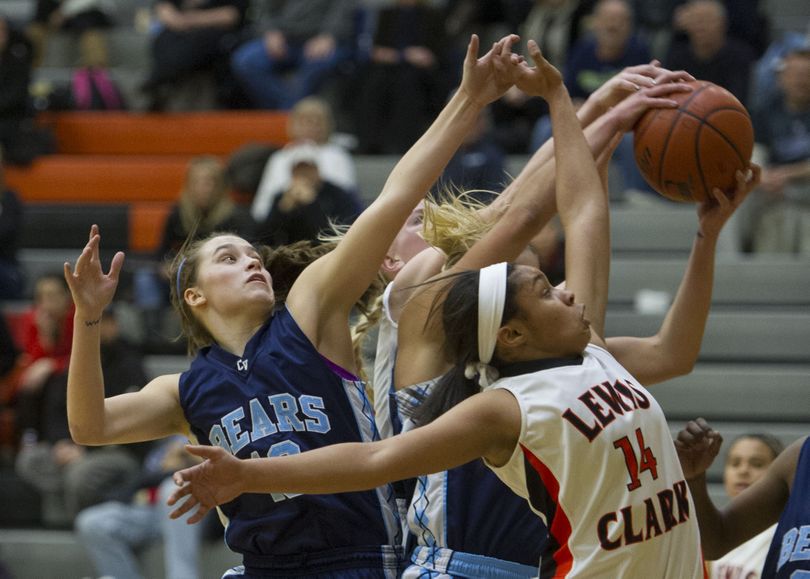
{"type": "Point", "coordinates": [232, 246]}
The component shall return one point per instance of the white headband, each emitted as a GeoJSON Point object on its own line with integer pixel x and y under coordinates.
{"type": "Point", "coordinates": [491, 298]}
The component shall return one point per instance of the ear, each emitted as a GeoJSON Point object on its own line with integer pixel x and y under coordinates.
{"type": "Point", "coordinates": [512, 334]}
{"type": "Point", "coordinates": [391, 266]}
{"type": "Point", "coordinates": [194, 297]}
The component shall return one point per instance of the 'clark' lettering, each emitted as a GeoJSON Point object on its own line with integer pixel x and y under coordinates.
{"type": "Point", "coordinates": [645, 521]}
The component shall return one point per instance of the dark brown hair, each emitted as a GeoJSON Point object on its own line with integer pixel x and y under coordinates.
{"type": "Point", "coordinates": [457, 302]}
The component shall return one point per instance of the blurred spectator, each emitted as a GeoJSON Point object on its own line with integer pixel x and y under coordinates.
{"type": "Point", "coordinates": [555, 26]}
{"type": "Point", "coordinates": [20, 140]}
{"type": "Point", "coordinates": [11, 218]}
{"type": "Point", "coordinates": [309, 124]}
{"type": "Point", "coordinates": [8, 360]}
{"type": "Point", "coordinates": [244, 170]}
{"type": "Point", "coordinates": [8, 348]}
{"type": "Point", "coordinates": [301, 43]}
{"type": "Point", "coordinates": [204, 206]}
{"type": "Point", "coordinates": [309, 205]}
{"type": "Point", "coordinates": [114, 531]}
{"type": "Point", "coordinates": [611, 47]}
{"type": "Point", "coordinates": [710, 53]}
{"type": "Point", "coordinates": [654, 24]}
{"type": "Point", "coordinates": [489, 19]}
{"type": "Point", "coordinates": [47, 332]}
{"type": "Point", "coordinates": [190, 37]}
{"type": "Point", "coordinates": [87, 19]}
{"type": "Point", "coordinates": [766, 71]}
{"type": "Point", "coordinates": [749, 456]}
{"type": "Point", "coordinates": [71, 477]}
{"type": "Point", "coordinates": [478, 167]}
{"type": "Point", "coordinates": [782, 129]}
{"type": "Point", "coordinates": [403, 87]}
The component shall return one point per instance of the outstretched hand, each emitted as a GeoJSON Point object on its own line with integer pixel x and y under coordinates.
{"type": "Point", "coordinates": [627, 113]}
{"type": "Point", "coordinates": [631, 80]}
{"type": "Point", "coordinates": [540, 79]}
{"type": "Point", "coordinates": [486, 79]}
{"type": "Point", "coordinates": [91, 288]}
{"type": "Point", "coordinates": [211, 483]}
{"type": "Point", "coordinates": [714, 212]}
{"type": "Point", "coordinates": [697, 445]}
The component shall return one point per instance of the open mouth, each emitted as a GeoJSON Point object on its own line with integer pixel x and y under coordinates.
{"type": "Point", "coordinates": [257, 277]}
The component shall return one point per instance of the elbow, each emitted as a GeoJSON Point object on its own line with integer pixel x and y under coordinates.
{"type": "Point", "coordinates": [676, 360]}
{"type": "Point", "coordinates": [682, 367]}
{"type": "Point", "coordinates": [83, 436]}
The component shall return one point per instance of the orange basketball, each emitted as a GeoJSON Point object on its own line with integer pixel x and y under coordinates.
{"type": "Point", "coordinates": [684, 153]}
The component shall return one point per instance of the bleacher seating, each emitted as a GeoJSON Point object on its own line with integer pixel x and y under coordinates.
{"type": "Point", "coordinates": [122, 170]}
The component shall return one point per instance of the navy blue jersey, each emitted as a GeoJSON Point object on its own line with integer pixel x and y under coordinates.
{"type": "Point", "coordinates": [789, 555]}
{"type": "Point", "coordinates": [282, 397]}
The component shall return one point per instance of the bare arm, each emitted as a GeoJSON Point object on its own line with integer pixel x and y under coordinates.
{"type": "Point", "coordinates": [583, 208]}
{"type": "Point", "coordinates": [154, 412]}
{"type": "Point", "coordinates": [750, 512]}
{"type": "Point", "coordinates": [453, 439]}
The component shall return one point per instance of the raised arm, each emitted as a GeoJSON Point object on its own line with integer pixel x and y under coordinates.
{"type": "Point", "coordinates": [153, 412]}
{"type": "Point", "coordinates": [529, 210]}
{"type": "Point", "coordinates": [674, 350]}
{"type": "Point", "coordinates": [454, 439]}
{"type": "Point", "coordinates": [325, 292]}
{"type": "Point", "coordinates": [750, 512]}
{"type": "Point", "coordinates": [582, 205]}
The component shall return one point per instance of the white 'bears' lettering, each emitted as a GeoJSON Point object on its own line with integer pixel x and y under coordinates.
{"type": "Point", "coordinates": [289, 414]}
{"type": "Point", "coordinates": [795, 546]}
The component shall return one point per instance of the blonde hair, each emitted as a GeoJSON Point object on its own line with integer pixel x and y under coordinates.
{"type": "Point", "coordinates": [454, 224]}
{"type": "Point", "coordinates": [221, 206]}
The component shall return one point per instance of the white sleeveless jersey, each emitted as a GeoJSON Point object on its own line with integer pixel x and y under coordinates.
{"type": "Point", "coordinates": [596, 461]}
{"type": "Point", "coordinates": [383, 381]}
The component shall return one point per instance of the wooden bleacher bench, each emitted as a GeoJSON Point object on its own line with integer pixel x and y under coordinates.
{"type": "Point", "coordinates": [193, 133]}
{"type": "Point", "coordinates": [124, 170]}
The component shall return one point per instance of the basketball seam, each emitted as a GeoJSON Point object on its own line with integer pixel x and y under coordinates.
{"type": "Point", "coordinates": [717, 130]}
{"type": "Point", "coordinates": [681, 110]}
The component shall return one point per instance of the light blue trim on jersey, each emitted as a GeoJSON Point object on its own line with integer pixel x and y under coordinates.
{"type": "Point", "coordinates": [364, 416]}
{"type": "Point", "coordinates": [437, 563]}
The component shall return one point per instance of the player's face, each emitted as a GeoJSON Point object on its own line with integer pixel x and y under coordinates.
{"type": "Point", "coordinates": [408, 242]}
{"type": "Point", "coordinates": [231, 275]}
{"type": "Point", "coordinates": [556, 323]}
{"type": "Point", "coordinates": [747, 461]}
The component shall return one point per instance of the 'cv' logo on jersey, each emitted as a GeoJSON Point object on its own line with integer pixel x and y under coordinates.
{"type": "Point", "coordinates": [242, 365]}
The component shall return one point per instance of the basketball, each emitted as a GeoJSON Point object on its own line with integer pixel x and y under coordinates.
{"type": "Point", "coordinates": [683, 153]}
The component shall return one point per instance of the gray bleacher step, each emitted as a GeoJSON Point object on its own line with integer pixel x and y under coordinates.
{"type": "Point", "coordinates": [729, 392]}
{"type": "Point", "coordinates": [764, 281]}
{"type": "Point", "coordinates": [660, 228]}
{"type": "Point", "coordinates": [742, 336]}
